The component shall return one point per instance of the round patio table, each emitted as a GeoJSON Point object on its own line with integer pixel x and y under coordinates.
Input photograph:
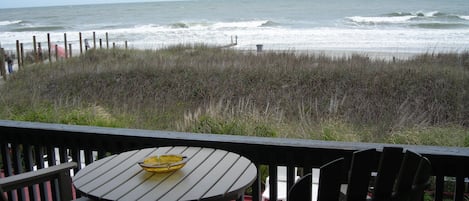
{"type": "Point", "coordinates": [210, 174]}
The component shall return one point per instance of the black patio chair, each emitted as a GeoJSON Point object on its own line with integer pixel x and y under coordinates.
{"type": "Point", "coordinates": [400, 176]}
{"type": "Point", "coordinates": [61, 173]}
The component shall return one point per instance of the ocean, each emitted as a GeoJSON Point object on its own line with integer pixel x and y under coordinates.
{"type": "Point", "coordinates": [407, 26]}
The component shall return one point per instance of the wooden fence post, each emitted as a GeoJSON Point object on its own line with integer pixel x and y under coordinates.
{"type": "Point", "coordinates": [2, 64]}
{"type": "Point", "coordinates": [125, 44]}
{"type": "Point", "coordinates": [70, 49]}
{"type": "Point", "coordinates": [65, 46]}
{"type": "Point", "coordinates": [81, 44]}
{"type": "Point", "coordinates": [18, 53]}
{"type": "Point", "coordinates": [94, 39]}
{"type": "Point", "coordinates": [107, 41]}
{"type": "Point", "coordinates": [35, 49]}
{"type": "Point", "coordinates": [49, 48]}
{"type": "Point", "coordinates": [56, 52]}
{"type": "Point", "coordinates": [100, 43]}
{"type": "Point", "coordinates": [22, 57]}
{"type": "Point", "coordinates": [39, 51]}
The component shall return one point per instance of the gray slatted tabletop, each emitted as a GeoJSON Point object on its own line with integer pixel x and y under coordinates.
{"type": "Point", "coordinates": [210, 174]}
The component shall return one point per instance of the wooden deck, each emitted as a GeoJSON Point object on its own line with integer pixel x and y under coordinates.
{"type": "Point", "coordinates": [33, 140]}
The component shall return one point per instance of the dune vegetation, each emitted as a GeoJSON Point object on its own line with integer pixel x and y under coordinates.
{"type": "Point", "coordinates": [196, 88]}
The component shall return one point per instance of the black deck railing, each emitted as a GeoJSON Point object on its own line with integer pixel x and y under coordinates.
{"type": "Point", "coordinates": [24, 146]}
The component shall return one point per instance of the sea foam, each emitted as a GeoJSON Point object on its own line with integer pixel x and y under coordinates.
{"type": "Point", "coordinates": [4, 23]}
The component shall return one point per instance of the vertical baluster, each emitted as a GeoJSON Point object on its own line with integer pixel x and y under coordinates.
{"type": "Point", "coordinates": [7, 163]}
{"type": "Point", "coordinates": [439, 187]}
{"type": "Point", "coordinates": [39, 152]}
{"type": "Point", "coordinates": [88, 156]}
{"type": "Point", "coordinates": [459, 191]}
{"type": "Point", "coordinates": [63, 155]}
{"type": "Point", "coordinates": [290, 177]}
{"type": "Point", "coordinates": [467, 184]}
{"type": "Point", "coordinates": [75, 152]}
{"type": "Point", "coordinates": [273, 182]}
{"type": "Point", "coordinates": [18, 167]}
{"type": "Point", "coordinates": [51, 159]}
{"type": "Point", "coordinates": [257, 186]}
{"type": "Point", "coordinates": [29, 166]}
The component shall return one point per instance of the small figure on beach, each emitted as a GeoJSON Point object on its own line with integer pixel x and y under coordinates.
{"type": "Point", "coordinates": [87, 44]}
{"type": "Point", "coordinates": [10, 63]}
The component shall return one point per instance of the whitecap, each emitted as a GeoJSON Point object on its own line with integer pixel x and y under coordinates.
{"type": "Point", "coordinates": [4, 23]}
{"type": "Point", "coordinates": [241, 24]}
{"type": "Point", "coordinates": [378, 20]}
{"type": "Point", "coordinates": [427, 14]}
{"type": "Point", "coordinates": [466, 17]}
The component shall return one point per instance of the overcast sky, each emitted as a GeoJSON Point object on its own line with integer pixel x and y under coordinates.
{"type": "Point", "coordinates": [40, 3]}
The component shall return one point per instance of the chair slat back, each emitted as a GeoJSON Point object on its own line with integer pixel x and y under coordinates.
{"type": "Point", "coordinates": [329, 180]}
{"type": "Point", "coordinates": [59, 173]}
{"type": "Point", "coordinates": [302, 189]}
{"type": "Point", "coordinates": [421, 180]}
{"type": "Point", "coordinates": [388, 169]}
{"type": "Point", "coordinates": [400, 177]}
{"type": "Point", "coordinates": [359, 174]}
{"type": "Point", "coordinates": [406, 176]}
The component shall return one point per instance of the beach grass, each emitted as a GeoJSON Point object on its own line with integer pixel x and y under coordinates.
{"type": "Point", "coordinates": [197, 88]}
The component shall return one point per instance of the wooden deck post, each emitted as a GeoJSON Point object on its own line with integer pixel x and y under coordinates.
{"type": "Point", "coordinates": [49, 48]}
{"type": "Point", "coordinates": [18, 53]}
{"type": "Point", "coordinates": [65, 45]}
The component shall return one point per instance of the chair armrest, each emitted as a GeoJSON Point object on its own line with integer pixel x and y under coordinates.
{"type": "Point", "coordinates": [35, 177]}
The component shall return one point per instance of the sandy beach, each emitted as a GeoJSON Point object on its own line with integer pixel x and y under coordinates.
{"type": "Point", "coordinates": [386, 56]}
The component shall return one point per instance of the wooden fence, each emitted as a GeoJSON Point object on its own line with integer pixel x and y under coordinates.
{"type": "Point", "coordinates": [54, 52]}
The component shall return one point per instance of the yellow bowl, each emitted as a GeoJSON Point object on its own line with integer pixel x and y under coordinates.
{"type": "Point", "coordinates": [163, 163]}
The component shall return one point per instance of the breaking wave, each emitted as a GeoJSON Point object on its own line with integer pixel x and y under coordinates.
{"type": "Point", "coordinates": [40, 28]}
{"type": "Point", "coordinates": [419, 19]}
{"type": "Point", "coordinates": [7, 22]}
{"type": "Point", "coordinates": [225, 25]}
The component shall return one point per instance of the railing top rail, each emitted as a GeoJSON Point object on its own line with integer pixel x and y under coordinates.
{"type": "Point", "coordinates": [280, 151]}
{"type": "Point", "coordinates": [251, 140]}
